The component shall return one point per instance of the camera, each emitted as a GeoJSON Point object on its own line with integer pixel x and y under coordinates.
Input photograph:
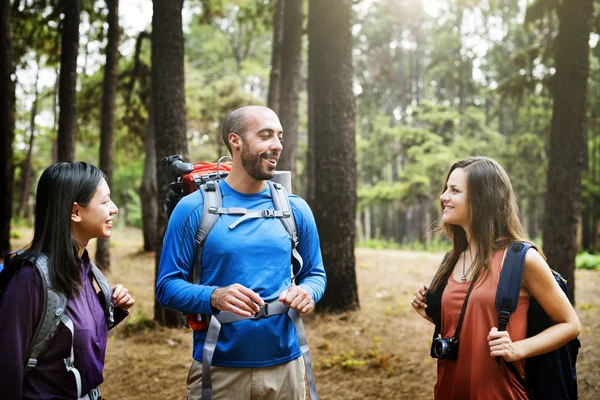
{"type": "Point", "coordinates": [444, 348]}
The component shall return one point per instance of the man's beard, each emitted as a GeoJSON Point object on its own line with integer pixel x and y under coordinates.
{"type": "Point", "coordinates": [253, 165]}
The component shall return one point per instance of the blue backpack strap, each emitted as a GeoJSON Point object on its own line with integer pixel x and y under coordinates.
{"type": "Point", "coordinates": [509, 286]}
{"type": "Point", "coordinates": [212, 202]}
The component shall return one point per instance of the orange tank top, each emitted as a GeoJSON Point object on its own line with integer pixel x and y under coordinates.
{"type": "Point", "coordinates": [475, 375]}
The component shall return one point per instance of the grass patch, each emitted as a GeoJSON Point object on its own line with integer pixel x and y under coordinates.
{"type": "Point", "coordinates": [139, 322]}
{"type": "Point", "coordinates": [587, 261]}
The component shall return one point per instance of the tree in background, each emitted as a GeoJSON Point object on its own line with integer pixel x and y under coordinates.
{"type": "Point", "coordinates": [275, 74]}
{"type": "Point", "coordinates": [567, 137]}
{"type": "Point", "coordinates": [6, 125]}
{"type": "Point", "coordinates": [26, 177]}
{"type": "Point", "coordinates": [67, 94]}
{"type": "Point", "coordinates": [289, 97]}
{"type": "Point", "coordinates": [168, 104]}
{"type": "Point", "coordinates": [107, 119]}
{"type": "Point", "coordinates": [332, 147]}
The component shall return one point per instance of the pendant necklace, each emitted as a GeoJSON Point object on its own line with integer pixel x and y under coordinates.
{"type": "Point", "coordinates": [465, 273]}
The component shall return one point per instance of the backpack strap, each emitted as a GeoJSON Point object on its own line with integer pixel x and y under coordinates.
{"type": "Point", "coordinates": [509, 285]}
{"type": "Point", "coordinates": [507, 294]}
{"type": "Point", "coordinates": [54, 303]}
{"type": "Point", "coordinates": [53, 313]}
{"type": "Point", "coordinates": [106, 290]}
{"type": "Point", "coordinates": [212, 202]}
{"type": "Point", "coordinates": [281, 202]}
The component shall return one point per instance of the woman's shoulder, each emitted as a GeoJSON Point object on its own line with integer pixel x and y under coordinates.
{"type": "Point", "coordinates": [21, 277]}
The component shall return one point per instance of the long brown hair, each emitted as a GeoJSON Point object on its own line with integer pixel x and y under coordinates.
{"type": "Point", "coordinates": [494, 217]}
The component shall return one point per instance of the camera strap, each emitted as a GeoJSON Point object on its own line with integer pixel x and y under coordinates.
{"type": "Point", "coordinates": [462, 313]}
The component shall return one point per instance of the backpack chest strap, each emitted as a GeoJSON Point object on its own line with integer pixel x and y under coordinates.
{"type": "Point", "coordinates": [268, 213]}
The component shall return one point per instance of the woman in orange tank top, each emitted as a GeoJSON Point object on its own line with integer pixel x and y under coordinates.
{"type": "Point", "coordinates": [480, 217]}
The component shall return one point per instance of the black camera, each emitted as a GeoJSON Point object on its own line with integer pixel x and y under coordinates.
{"type": "Point", "coordinates": [445, 348]}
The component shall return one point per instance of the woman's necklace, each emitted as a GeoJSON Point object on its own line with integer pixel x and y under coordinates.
{"type": "Point", "coordinates": [463, 278]}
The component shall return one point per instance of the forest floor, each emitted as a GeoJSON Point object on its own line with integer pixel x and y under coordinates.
{"type": "Point", "coordinates": [378, 352]}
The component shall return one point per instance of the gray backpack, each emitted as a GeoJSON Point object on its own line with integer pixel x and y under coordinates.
{"type": "Point", "coordinates": [54, 305]}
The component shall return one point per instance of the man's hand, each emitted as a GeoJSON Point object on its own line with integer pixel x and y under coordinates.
{"type": "Point", "coordinates": [238, 299]}
{"type": "Point", "coordinates": [121, 298]}
{"type": "Point", "coordinates": [297, 298]}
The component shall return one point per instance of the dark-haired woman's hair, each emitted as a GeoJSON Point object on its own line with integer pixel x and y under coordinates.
{"type": "Point", "coordinates": [494, 217]}
{"type": "Point", "coordinates": [61, 185]}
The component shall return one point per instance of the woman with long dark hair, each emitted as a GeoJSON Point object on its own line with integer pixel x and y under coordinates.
{"type": "Point", "coordinates": [480, 216]}
{"type": "Point", "coordinates": [73, 206]}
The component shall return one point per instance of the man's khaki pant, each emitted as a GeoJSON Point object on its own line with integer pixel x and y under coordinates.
{"type": "Point", "coordinates": [279, 382]}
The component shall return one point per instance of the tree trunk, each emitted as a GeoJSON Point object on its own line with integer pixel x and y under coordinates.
{"type": "Point", "coordinates": [55, 114]}
{"type": "Point", "coordinates": [532, 216]}
{"type": "Point", "coordinates": [67, 94]}
{"type": "Point", "coordinates": [333, 113]}
{"type": "Point", "coordinates": [168, 101]}
{"type": "Point", "coordinates": [7, 125]}
{"type": "Point", "coordinates": [291, 64]}
{"type": "Point", "coordinates": [368, 234]}
{"type": "Point", "coordinates": [26, 178]}
{"type": "Point", "coordinates": [586, 217]}
{"type": "Point", "coordinates": [275, 75]}
{"type": "Point", "coordinates": [565, 163]}
{"type": "Point", "coordinates": [107, 122]}
{"type": "Point", "coordinates": [148, 192]}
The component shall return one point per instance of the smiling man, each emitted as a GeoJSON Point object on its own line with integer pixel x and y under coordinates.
{"type": "Point", "coordinates": [245, 265]}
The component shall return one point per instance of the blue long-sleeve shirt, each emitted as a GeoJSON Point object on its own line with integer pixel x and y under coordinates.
{"type": "Point", "coordinates": [256, 254]}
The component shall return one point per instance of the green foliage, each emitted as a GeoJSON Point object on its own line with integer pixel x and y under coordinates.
{"type": "Point", "coordinates": [127, 178]}
{"type": "Point", "coordinates": [587, 261]}
{"type": "Point", "coordinates": [432, 138]}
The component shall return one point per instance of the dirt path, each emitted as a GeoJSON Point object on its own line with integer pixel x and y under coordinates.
{"type": "Point", "coordinates": [378, 352]}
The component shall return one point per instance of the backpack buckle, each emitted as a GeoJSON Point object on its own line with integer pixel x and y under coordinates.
{"type": "Point", "coordinates": [213, 210]}
{"type": "Point", "coordinates": [263, 312]}
{"type": "Point", "coordinates": [68, 364]}
{"type": "Point", "coordinates": [503, 317]}
{"type": "Point", "coordinates": [268, 213]}
{"type": "Point", "coordinates": [210, 186]}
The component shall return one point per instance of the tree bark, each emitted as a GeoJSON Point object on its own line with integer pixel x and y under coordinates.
{"type": "Point", "coordinates": [275, 75]}
{"type": "Point", "coordinates": [168, 100]}
{"type": "Point", "coordinates": [291, 64]}
{"type": "Point", "coordinates": [7, 125]}
{"type": "Point", "coordinates": [107, 122]}
{"type": "Point", "coordinates": [567, 135]}
{"type": "Point", "coordinates": [333, 112]}
{"type": "Point", "coordinates": [26, 178]}
{"type": "Point", "coordinates": [532, 216]}
{"type": "Point", "coordinates": [67, 93]}
{"type": "Point", "coordinates": [148, 192]}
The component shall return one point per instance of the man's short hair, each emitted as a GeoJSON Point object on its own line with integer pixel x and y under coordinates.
{"type": "Point", "coordinates": [234, 122]}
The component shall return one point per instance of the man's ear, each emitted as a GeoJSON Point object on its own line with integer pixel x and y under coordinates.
{"type": "Point", "coordinates": [75, 213]}
{"type": "Point", "coordinates": [234, 140]}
